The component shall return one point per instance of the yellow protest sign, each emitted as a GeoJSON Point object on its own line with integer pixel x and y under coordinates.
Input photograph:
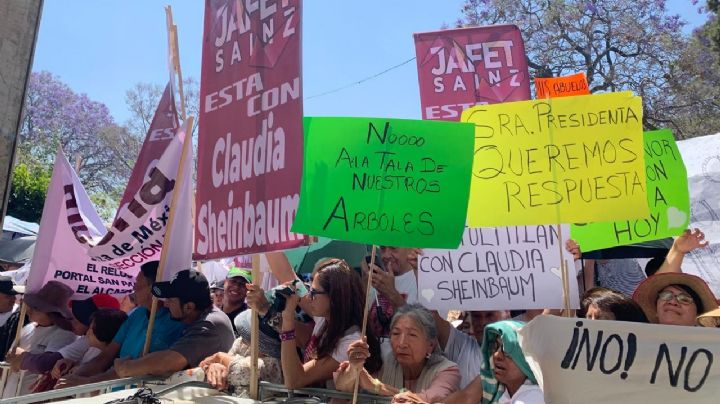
{"type": "Point", "coordinates": [563, 160]}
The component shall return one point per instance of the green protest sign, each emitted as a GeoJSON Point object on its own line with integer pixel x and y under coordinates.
{"type": "Point", "coordinates": [667, 195]}
{"type": "Point", "coordinates": [386, 181]}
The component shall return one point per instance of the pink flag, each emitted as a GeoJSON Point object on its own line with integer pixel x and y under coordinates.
{"type": "Point", "coordinates": [463, 67]}
{"type": "Point", "coordinates": [250, 142]}
{"type": "Point", "coordinates": [69, 225]}
{"type": "Point", "coordinates": [161, 132]}
{"type": "Point", "coordinates": [74, 247]}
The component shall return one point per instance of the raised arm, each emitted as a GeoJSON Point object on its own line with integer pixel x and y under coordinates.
{"type": "Point", "coordinates": [685, 243]}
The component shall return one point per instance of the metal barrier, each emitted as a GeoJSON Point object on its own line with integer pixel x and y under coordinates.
{"type": "Point", "coordinates": [325, 395]}
{"type": "Point", "coordinates": [268, 391]}
{"type": "Point", "coordinates": [72, 392]}
{"type": "Point", "coordinates": [6, 371]}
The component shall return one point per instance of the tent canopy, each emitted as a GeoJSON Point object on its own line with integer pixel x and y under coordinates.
{"type": "Point", "coordinates": [14, 225]}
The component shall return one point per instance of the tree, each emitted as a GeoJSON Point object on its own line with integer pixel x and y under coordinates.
{"type": "Point", "coordinates": [57, 116]}
{"type": "Point", "coordinates": [143, 99]}
{"type": "Point", "coordinates": [29, 187]}
{"type": "Point", "coordinates": [695, 88]}
{"type": "Point", "coordinates": [620, 45]}
{"type": "Point", "coordinates": [713, 26]}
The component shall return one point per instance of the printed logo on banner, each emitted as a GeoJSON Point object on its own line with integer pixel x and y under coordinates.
{"type": "Point", "coordinates": [74, 247]}
{"type": "Point", "coordinates": [460, 68]}
{"type": "Point", "coordinates": [250, 134]}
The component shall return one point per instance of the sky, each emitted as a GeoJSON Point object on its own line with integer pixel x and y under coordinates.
{"type": "Point", "coordinates": [103, 48]}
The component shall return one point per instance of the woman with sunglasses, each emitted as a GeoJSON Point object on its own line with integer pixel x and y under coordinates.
{"type": "Point", "coordinates": [506, 377]}
{"type": "Point", "coordinates": [335, 300]}
{"type": "Point", "coordinates": [674, 298]}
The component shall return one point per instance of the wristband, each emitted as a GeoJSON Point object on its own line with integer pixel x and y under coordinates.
{"type": "Point", "coordinates": [287, 335]}
{"type": "Point", "coordinates": [376, 385]}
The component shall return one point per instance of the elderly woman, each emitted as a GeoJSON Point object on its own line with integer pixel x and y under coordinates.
{"type": "Point", "coordinates": [607, 304]}
{"type": "Point", "coordinates": [506, 376]}
{"type": "Point", "coordinates": [674, 298]}
{"type": "Point", "coordinates": [416, 371]}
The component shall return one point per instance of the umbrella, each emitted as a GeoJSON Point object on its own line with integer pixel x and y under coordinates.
{"type": "Point", "coordinates": [17, 251]}
{"type": "Point", "coordinates": [303, 259]}
{"type": "Point", "coordinates": [13, 225]}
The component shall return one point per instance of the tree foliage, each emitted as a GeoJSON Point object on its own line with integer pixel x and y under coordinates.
{"type": "Point", "coordinates": [143, 98]}
{"type": "Point", "coordinates": [27, 197]}
{"type": "Point", "coordinates": [620, 45]}
{"type": "Point", "coordinates": [713, 26]}
{"type": "Point", "coordinates": [55, 116]}
{"type": "Point", "coordinates": [695, 88]}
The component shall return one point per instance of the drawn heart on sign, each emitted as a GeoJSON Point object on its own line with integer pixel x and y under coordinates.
{"type": "Point", "coordinates": [428, 294]}
{"type": "Point", "coordinates": [676, 218]}
{"type": "Point", "coordinates": [556, 271]}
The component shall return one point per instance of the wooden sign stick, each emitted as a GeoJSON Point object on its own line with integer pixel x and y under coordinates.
{"type": "Point", "coordinates": [365, 316]}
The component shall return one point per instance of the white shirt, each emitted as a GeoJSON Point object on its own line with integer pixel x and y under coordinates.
{"type": "Point", "coordinates": [4, 316]}
{"type": "Point", "coordinates": [37, 340]}
{"type": "Point", "coordinates": [79, 351]}
{"type": "Point", "coordinates": [351, 335]}
{"type": "Point", "coordinates": [406, 284]}
{"type": "Point", "coordinates": [464, 350]}
{"type": "Point", "coordinates": [340, 352]}
{"type": "Point", "coordinates": [526, 394]}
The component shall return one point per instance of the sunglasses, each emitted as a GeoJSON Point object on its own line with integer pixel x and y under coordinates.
{"type": "Point", "coordinates": [682, 298]}
{"type": "Point", "coordinates": [314, 292]}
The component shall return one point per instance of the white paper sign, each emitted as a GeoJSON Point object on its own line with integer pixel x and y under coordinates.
{"type": "Point", "coordinates": [597, 361]}
{"type": "Point", "coordinates": [702, 159]}
{"type": "Point", "coordinates": [503, 268]}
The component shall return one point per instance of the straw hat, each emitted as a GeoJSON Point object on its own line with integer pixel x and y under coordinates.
{"type": "Point", "coordinates": [647, 292]}
{"type": "Point", "coordinates": [710, 318]}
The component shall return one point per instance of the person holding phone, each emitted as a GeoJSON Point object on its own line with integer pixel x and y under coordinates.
{"type": "Point", "coordinates": [394, 284]}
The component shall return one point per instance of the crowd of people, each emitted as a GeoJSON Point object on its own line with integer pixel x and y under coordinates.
{"type": "Point", "coordinates": [311, 330]}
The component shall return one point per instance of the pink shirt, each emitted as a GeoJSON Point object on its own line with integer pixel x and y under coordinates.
{"type": "Point", "coordinates": [445, 383]}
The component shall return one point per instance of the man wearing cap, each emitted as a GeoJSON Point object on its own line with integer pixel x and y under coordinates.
{"type": "Point", "coordinates": [235, 292]}
{"type": "Point", "coordinates": [9, 315]}
{"type": "Point", "coordinates": [130, 339]}
{"type": "Point", "coordinates": [217, 293]}
{"type": "Point", "coordinates": [208, 330]}
{"type": "Point", "coordinates": [8, 295]}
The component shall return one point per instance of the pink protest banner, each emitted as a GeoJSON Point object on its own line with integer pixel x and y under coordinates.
{"type": "Point", "coordinates": [161, 132]}
{"type": "Point", "coordinates": [463, 67]}
{"type": "Point", "coordinates": [69, 222]}
{"type": "Point", "coordinates": [74, 247]}
{"type": "Point", "coordinates": [250, 141]}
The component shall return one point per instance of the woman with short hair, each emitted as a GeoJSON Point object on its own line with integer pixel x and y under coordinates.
{"type": "Point", "coordinates": [415, 371]}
